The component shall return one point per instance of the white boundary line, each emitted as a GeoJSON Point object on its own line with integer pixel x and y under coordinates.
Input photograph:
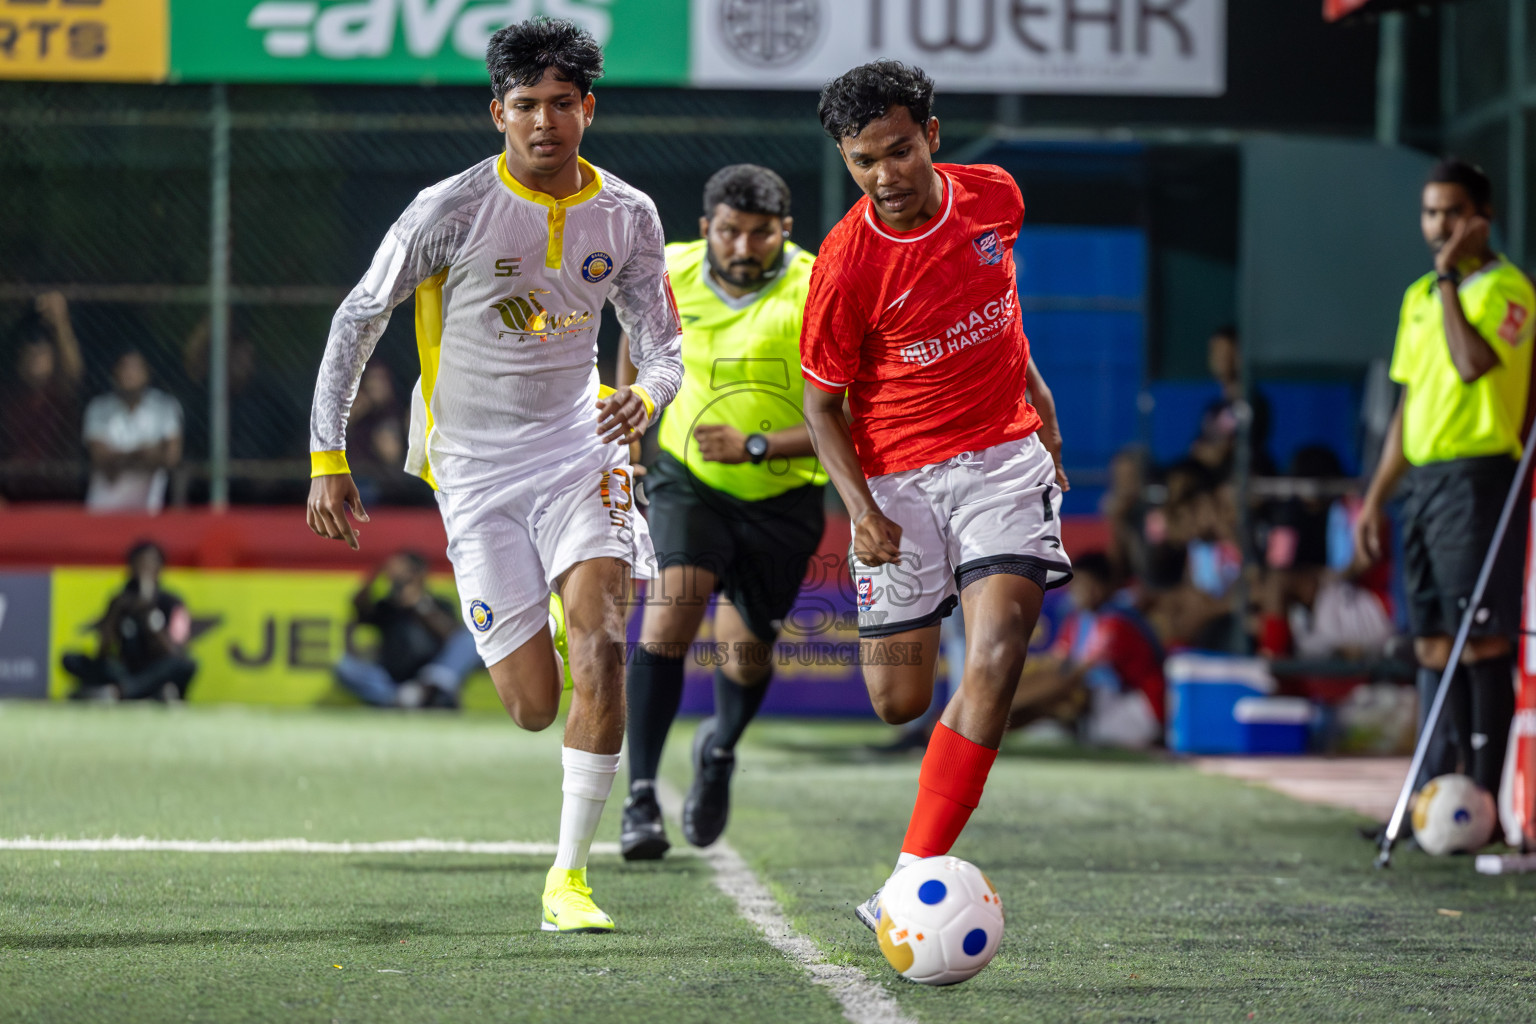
{"type": "Point", "coordinates": [863, 1001]}
{"type": "Point", "coordinates": [141, 844]}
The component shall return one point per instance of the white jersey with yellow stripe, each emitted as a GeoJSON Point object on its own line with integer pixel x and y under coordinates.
{"type": "Point", "coordinates": [509, 286]}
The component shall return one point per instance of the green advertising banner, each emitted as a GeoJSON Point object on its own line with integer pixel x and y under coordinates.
{"type": "Point", "coordinates": [645, 42]}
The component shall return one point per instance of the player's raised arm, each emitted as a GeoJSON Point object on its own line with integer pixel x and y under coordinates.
{"type": "Point", "coordinates": [420, 244]}
{"type": "Point", "coordinates": [642, 297]}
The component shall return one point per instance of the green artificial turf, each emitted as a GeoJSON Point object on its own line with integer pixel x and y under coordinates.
{"type": "Point", "coordinates": [1140, 890]}
{"type": "Point", "coordinates": [1136, 890]}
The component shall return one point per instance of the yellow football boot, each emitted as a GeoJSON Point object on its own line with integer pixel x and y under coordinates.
{"type": "Point", "coordinates": [557, 630]}
{"type": "Point", "coordinates": [568, 905]}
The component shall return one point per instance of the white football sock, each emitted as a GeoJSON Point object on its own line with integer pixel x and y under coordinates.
{"type": "Point", "coordinates": [904, 859]}
{"type": "Point", "coordinates": [588, 781]}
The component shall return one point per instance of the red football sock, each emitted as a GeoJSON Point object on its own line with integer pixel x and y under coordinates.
{"type": "Point", "coordinates": [949, 788]}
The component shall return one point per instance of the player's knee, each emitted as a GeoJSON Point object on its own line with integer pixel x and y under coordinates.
{"type": "Point", "coordinates": [748, 664]}
{"type": "Point", "coordinates": [995, 665]}
{"type": "Point", "coordinates": [1482, 648]}
{"type": "Point", "coordinates": [1432, 651]}
{"type": "Point", "coordinates": [533, 720]}
{"type": "Point", "coordinates": [897, 705]}
{"type": "Point", "coordinates": [532, 706]}
{"type": "Point", "coordinates": [533, 712]}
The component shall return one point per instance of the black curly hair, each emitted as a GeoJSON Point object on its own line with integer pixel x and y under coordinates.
{"type": "Point", "coordinates": [748, 188]}
{"type": "Point", "coordinates": [855, 98]}
{"type": "Point", "coordinates": [1456, 171]}
{"type": "Point", "coordinates": [520, 54]}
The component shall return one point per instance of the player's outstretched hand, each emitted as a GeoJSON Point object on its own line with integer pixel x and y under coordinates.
{"type": "Point", "coordinates": [876, 539]}
{"type": "Point", "coordinates": [719, 442]}
{"type": "Point", "coordinates": [621, 417]}
{"type": "Point", "coordinates": [331, 497]}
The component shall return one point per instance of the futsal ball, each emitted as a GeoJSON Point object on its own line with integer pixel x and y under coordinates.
{"type": "Point", "coordinates": [940, 921]}
{"type": "Point", "coordinates": [1453, 814]}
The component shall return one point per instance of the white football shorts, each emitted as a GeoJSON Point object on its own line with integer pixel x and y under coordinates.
{"type": "Point", "coordinates": [998, 508]}
{"type": "Point", "coordinates": [509, 543]}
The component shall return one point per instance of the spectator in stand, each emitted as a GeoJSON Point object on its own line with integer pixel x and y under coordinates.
{"type": "Point", "coordinates": [134, 436]}
{"type": "Point", "coordinates": [1216, 445]}
{"type": "Point", "coordinates": [1124, 508]}
{"type": "Point", "coordinates": [376, 433]}
{"type": "Point", "coordinates": [260, 407]}
{"type": "Point", "coordinates": [143, 639]}
{"type": "Point", "coordinates": [40, 405]}
{"type": "Point", "coordinates": [1106, 667]}
{"type": "Point", "coordinates": [1463, 355]}
{"type": "Point", "coordinates": [425, 652]}
{"type": "Point", "coordinates": [1310, 611]}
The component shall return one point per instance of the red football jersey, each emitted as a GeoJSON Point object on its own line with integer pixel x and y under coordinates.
{"type": "Point", "coordinates": [922, 328]}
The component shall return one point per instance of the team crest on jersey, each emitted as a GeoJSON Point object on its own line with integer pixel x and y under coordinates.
{"type": "Point", "coordinates": [597, 266]}
{"type": "Point", "coordinates": [990, 248]}
{"type": "Point", "coordinates": [481, 615]}
{"type": "Point", "coordinates": [866, 593]}
{"type": "Point", "coordinates": [1514, 320]}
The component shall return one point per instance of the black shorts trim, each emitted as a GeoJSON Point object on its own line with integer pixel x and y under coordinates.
{"type": "Point", "coordinates": [885, 629]}
{"type": "Point", "coordinates": [1043, 563]}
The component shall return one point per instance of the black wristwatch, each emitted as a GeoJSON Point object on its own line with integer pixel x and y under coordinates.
{"type": "Point", "coordinates": [757, 448]}
{"type": "Point", "coordinates": [1453, 276]}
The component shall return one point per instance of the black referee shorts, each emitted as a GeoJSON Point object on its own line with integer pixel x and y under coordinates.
{"type": "Point", "coordinates": [1450, 511]}
{"type": "Point", "coordinates": [757, 550]}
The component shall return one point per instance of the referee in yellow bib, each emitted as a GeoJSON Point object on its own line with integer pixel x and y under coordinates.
{"type": "Point", "coordinates": [735, 494]}
{"type": "Point", "coordinates": [1463, 356]}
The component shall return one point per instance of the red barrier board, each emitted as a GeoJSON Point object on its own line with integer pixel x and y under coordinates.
{"type": "Point", "coordinates": [43, 535]}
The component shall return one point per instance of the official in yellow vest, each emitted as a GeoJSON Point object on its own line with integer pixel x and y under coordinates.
{"type": "Point", "coordinates": [735, 494]}
{"type": "Point", "coordinates": [1463, 356]}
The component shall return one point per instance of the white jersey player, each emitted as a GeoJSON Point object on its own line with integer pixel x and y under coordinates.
{"type": "Point", "coordinates": [510, 263]}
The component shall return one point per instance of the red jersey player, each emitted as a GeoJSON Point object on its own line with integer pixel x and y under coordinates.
{"type": "Point", "coordinates": [951, 477]}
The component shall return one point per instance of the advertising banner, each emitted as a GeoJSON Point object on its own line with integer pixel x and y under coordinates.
{"type": "Point", "coordinates": [272, 637]}
{"type": "Point", "coordinates": [1168, 47]}
{"type": "Point", "coordinates": [1124, 47]}
{"type": "Point", "coordinates": [645, 42]}
{"type": "Point", "coordinates": [24, 607]}
{"type": "Point", "coordinates": [83, 40]}
{"type": "Point", "coordinates": [259, 636]}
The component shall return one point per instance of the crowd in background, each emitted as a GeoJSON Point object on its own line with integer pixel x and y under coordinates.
{"type": "Point", "coordinates": [131, 444]}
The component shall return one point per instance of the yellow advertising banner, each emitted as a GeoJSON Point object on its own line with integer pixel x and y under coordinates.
{"type": "Point", "coordinates": [84, 40]}
{"type": "Point", "coordinates": [259, 636]}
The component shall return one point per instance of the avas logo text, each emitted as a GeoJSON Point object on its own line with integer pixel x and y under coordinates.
{"type": "Point", "coordinates": [353, 29]}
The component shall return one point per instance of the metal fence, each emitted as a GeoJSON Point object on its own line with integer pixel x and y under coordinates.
{"type": "Point", "coordinates": [215, 228]}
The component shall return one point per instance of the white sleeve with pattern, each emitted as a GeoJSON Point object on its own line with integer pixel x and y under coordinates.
{"type": "Point", "coordinates": [642, 297]}
{"type": "Point", "coordinates": [421, 243]}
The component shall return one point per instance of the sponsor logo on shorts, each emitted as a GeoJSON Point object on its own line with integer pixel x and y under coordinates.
{"type": "Point", "coordinates": [989, 248]}
{"type": "Point", "coordinates": [481, 615]}
{"type": "Point", "coordinates": [596, 266]}
{"type": "Point", "coordinates": [866, 585]}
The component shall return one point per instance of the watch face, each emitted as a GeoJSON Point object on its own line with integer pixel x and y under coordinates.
{"type": "Point", "coordinates": [757, 446]}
